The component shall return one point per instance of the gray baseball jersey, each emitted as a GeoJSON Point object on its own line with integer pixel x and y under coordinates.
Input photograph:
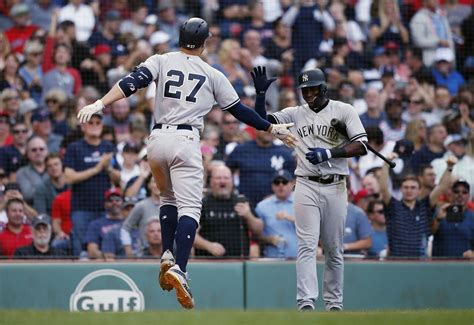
{"type": "Point", "coordinates": [187, 88]}
{"type": "Point", "coordinates": [315, 130]}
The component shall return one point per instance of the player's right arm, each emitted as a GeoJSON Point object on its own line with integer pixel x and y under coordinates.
{"type": "Point", "coordinates": [139, 78]}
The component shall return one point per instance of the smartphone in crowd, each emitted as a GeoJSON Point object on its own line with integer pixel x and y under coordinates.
{"type": "Point", "coordinates": [454, 213]}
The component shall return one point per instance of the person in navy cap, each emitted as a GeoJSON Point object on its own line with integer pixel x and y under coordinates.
{"type": "Point", "coordinates": [41, 123]}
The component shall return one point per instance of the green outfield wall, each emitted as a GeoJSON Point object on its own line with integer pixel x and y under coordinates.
{"type": "Point", "coordinates": [230, 285]}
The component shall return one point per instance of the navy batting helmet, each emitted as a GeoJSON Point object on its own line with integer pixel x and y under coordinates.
{"type": "Point", "coordinates": [193, 33]}
{"type": "Point", "coordinates": [314, 78]}
{"type": "Point", "coordinates": [311, 78]}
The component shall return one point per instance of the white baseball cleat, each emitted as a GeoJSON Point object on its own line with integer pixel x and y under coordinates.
{"type": "Point", "coordinates": [167, 261]}
{"type": "Point", "coordinates": [179, 280]}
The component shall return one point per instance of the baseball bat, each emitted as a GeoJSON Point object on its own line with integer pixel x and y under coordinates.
{"type": "Point", "coordinates": [341, 128]}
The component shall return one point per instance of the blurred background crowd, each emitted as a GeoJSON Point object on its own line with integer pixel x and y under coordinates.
{"type": "Point", "coordinates": [85, 191]}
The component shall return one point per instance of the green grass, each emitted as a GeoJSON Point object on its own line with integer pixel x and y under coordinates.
{"type": "Point", "coordinates": [429, 317]}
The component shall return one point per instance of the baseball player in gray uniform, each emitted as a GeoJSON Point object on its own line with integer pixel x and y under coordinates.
{"type": "Point", "coordinates": [320, 191]}
{"type": "Point", "coordinates": [186, 89]}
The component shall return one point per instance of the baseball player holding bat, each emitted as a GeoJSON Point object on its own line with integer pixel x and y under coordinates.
{"type": "Point", "coordinates": [186, 89]}
{"type": "Point", "coordinates": [320, 191]}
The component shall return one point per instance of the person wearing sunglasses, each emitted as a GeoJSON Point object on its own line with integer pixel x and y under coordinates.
{"type": "Point", "coordinates": [99, 228]}
{"type": "Point", "coordinates": [376, 214]}
{"type": "Point", "coordinates": [278, 215]}
{"type": "Point", "coordinates": [13, 156]}
{"type": "Point", "coordinates": [453, 224]}
{"type": "Point", "coordinates": [34, 174]}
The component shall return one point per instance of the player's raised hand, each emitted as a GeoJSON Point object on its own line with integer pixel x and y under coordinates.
{"type": "Point", "coordinates": [260, 81]}
{"type": "Point", "coordinates": [318, 155]}
{"type": "Point", "coordinates": [282, 132]}
{"type": "Point", "coordinates": [87, 111]}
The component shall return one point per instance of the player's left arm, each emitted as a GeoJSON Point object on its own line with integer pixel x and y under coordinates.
{"type": "Point", "coordinates": [139, 78]}
{"type": "Point", "coordinates": [357, 135]}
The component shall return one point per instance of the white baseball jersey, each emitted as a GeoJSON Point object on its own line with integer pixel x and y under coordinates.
{"type": "Point", "coordinates": [315, 130]}
{"type": "Point", "coordinates": [187, 88]}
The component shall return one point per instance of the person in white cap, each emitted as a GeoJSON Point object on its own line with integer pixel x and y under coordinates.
{"type": "Point", "coordinates": [160, 42]}
{"type": "Point", "coordinates": [444, 71]}
{"type": "Point", "coordinates": [456, 146]}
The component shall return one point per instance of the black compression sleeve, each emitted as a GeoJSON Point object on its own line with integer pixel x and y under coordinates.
{"type": "Point", "coordinates": [249, 116]}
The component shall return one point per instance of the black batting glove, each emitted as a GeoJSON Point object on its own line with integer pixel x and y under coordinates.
{"type": "Point", "coordinates": [260, 81]}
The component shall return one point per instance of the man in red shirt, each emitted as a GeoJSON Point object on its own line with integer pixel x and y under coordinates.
{"type": "Point", "coordinates": [61, 214]}
{"type": "Point", "coordinates": [16, 234]}
{"type": "Point", "coordinates": [22, 28]}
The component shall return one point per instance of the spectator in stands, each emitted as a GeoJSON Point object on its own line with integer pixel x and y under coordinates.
{"type": "Point", "coordinates": [41, 123]}
{"type": "Point", "coordinates": [160, 41]}
{"type": "Point", "coordinates": [374, 114]}
{"type": "Point", "coordinates": [5, 48]}
{"type": "Point", "coordinates": [41, 12]}
{"type": "Point", "coordinates": [454, 229]}
{"type": "Point", "coordinates": [388, 25]}
{"type": "Point", "coordinates": [12, 191]}
{"type": "Point", "coordinates": [119, 119]}
{"type": "Point", "coordinates": [376, 214]}
{"type": "Point", "coordinates": [416, 110]}
{"type": "Point", "coordinates": [83, 17]}
{"type": "Point", "coordinates": [45, 193]}
{"type": "Point", "coordinates": [427, 178]}
{"type": "Point", "coordinates": [456, 146]}
{"type": "Point", "coordinates": [55, 100]}
{"type": "Point", "coordinates": [59, 76]}
{"type": "Point", "coordinates": [88, 169]}
{"type": "Point", "coordinates": [31, 71]}
{"type": "Point", "coordinates": [432, 149]}
{"type": "Point", "coordinates": [229, 65]}
{"type": "Point", "coordinates": [10, 103]}
{"type": "Point", "coordinates": [129, 167]}
{"type": "Point", "coordinates": [5, 136]}
{"type": "Point", "coordinates": [16, 233]}
{"type": "Point", "coordinates": [258, 160]}
{"type": "Point", "coordinates": [109, 31]}
{"type": "Point", "coordinates": [414, 60]}
{"type": "Point", "coordinates": [154, 248]}
{"type": "Point", "coordinates": [393, 127]}
{"type": "Point", "coordinates": [278, 216]}
{"type": "Point", "coordinates": [444, 71]}
{"type": "Point", "coordinates": [62, 226]}
{"type": "Point", "coordinates": [13, 156]}
{"type": "Point", "coordinates": [416, 133]}
{"type": "Point", "coordinates": [140, 215]}
{"type": "Point", "coordinates": [229, 137]}
{"type": "Point", "coordinates": [226, 219]}
{"type": "Point", "coordinates": [22, 28]}
{"type": "Point", "coordinates": [9, 77]}
{"type": "Point", "coordinates": [279, 46]}
{"type": "Point", "coordinates": [309, 20]}
{"type": "Point", "coordinates": [136, 23]}
{"type": "Point", "coordinates": [442, 101]}
{"type": "Point", "coordinates": [170, 21]}
{"type": "Point", "coordinates": [429, 29]}
{"type": "Point", "coordinates": [98, 228]}
{"type": "Point", "coordinates": [34, 174]}
{"type": "Point", "coordinates": [409, 219]}
{"type": "Point", "coordinates": [357, 231]}
{"type": "Point", "coordinates": [93, 70]}
{"type": "Point", "coordinates": [112, 246]}
{"type": "Point", "coordinates": [40, 248]}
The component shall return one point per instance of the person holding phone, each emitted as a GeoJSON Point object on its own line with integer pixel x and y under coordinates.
{"type": "Point", "coordinates": [453, 224]}
{"type": "Point", "coordinates": [227, 221]}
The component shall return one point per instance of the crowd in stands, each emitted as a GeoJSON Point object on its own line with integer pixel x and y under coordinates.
{"type": "Point", "coordinates": [86, 191]}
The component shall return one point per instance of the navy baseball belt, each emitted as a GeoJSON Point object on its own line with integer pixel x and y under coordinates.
{"type": "Point", "coordinates": [327, 179]}
{"type": "Point", "coordinates": [178, 127]}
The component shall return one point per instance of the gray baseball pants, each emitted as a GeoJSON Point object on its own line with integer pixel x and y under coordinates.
{"type": "Point", "coordinates": [320, 212]}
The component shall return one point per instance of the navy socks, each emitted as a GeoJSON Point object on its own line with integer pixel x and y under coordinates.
{"type": "Point", "coordinates": [185, 233]}
{"type": "Point", "coordinates": [169, 223]}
